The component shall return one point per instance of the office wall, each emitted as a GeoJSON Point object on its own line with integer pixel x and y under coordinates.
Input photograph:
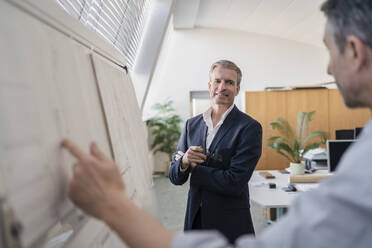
{"type": "Point", "coordinates": [186, 56]}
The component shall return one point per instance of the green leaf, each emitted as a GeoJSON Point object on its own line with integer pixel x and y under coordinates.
{"type": "Point", "coordinates": [284, 129]}
{"type": "Point", "coordinates": [276, 139]}
{"type": "Point", "coordinates": [310, 147]}
{"type": "Point", "coordinates": [290, 144]}
{"type": "Point", "coordinates": [303, 121]}
{"type": "Point", "coordinates": [296, 151]}
{"type": "Point", "coordinates": [165, 128]}
{"type": "Point", "coordinates": [317, 134]}
{"type": "Point", "coordinates": [280, 147]}
{"type": "Point", "coordinates": [285, 155]}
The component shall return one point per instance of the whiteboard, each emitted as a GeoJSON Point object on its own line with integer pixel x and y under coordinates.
{"type": "Point", "coordinates": [52, 87]}
{"type": "Point", "coordinates": [127, 131]}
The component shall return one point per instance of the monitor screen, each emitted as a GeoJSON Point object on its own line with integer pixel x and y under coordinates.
{"type": "Point", "coordinates": [345, 134]}
{"type": "Point", "coordinates": [335, 150]}
{"type": "Point", "coordinates": [357, 131]}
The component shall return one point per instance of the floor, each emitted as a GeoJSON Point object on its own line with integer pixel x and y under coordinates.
{"type": "Point", "coordinates": [171, 205]}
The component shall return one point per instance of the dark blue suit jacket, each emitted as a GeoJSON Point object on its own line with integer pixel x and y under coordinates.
{"type": "Point", "coordinates": [220, 184]}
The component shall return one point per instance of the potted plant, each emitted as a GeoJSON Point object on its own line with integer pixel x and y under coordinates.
{"type": "Point", "coordinates": [165, 129]}
{"type": "Point", "coordinates": [294, 145]}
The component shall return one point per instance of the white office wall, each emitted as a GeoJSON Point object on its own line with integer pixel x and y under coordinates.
{"type": "Point", "coordinates": [186, 56]}
{"type": "Point", "coordinates": [199, 106]}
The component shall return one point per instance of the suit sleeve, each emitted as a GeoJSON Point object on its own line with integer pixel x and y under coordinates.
{"type": "Point", "coordinates": [175, 175]}
{"type": "Point", "coordinates": [233, 180]}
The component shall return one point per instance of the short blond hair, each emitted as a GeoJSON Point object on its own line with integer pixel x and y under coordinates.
{"type": "Point", "coordinates": [227, 64]}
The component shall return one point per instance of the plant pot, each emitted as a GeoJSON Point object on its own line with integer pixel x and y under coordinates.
{"type": "Point", "coordinates": [297, 168]}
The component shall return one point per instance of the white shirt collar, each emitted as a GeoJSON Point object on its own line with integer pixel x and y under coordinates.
{"type": "Point", "coordinates": [207, 116]}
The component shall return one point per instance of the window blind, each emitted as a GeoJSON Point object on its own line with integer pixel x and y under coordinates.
{"type": "Point", "coordinates": [120, 22]}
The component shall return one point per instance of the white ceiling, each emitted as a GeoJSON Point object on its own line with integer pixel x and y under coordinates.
{"type": "Point", "coordinates": [298, 20]}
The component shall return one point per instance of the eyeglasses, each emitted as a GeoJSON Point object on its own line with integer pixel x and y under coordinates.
{"type": "Point", "coordinates": [215, 156]}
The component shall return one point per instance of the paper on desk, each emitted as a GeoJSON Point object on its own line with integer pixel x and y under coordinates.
{"type": "Point", "coordinates": [313, 178]}
{"type": "Point", "coordinates": [258, 185]}
{"type": "Point", "coordinates": [306, 186]}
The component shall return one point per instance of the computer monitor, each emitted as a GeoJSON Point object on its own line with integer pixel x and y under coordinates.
{"type": "Point", "coordinates": [357, 131]}
{"type": "Point", "coordinates": [345, 134]}
{"type": "Point", "coordinates": [335, 150]}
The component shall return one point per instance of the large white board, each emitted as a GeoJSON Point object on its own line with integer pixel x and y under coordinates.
{"type": "Point", "coordinates": [52, 87]}
{"type": "Point", "coordinates": [126, 129]}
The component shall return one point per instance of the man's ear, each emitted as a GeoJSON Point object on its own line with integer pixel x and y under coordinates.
{"type": "Point", "coordinates": [209, 86]}
{"type": "Point", "coordinates": [356, 52]}
{"type": "Point", "coordinates": [237, 90]}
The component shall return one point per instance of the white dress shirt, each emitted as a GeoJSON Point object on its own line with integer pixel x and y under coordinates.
{"type": "Point", "coordinates": [212, 131]}
{"type": "Point", "coordinates": [336, 214]}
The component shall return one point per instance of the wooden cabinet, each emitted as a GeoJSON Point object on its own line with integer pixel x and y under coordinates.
{"type": "Point", "coordinates": [265, 107]}
{"type": "Point", "coordinates": [331, 114]}
{"type": "Point", "coordinates": [341, 117]}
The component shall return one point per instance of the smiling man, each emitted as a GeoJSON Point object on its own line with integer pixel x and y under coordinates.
{"type": "Point", "coordinates": [219, 150]}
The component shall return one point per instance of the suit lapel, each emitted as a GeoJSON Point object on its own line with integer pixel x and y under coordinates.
{"type": "Point", "coordinates": [226, 126]}
{"type": "Point", "coordinates": [203, 135]}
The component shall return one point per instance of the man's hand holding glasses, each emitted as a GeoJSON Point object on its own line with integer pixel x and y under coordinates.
{"type": "Point", "coordinates": [193, 156]}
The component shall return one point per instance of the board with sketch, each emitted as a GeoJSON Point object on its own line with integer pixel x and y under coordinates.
{"type": "Point", "coordinates": [53, 86]}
